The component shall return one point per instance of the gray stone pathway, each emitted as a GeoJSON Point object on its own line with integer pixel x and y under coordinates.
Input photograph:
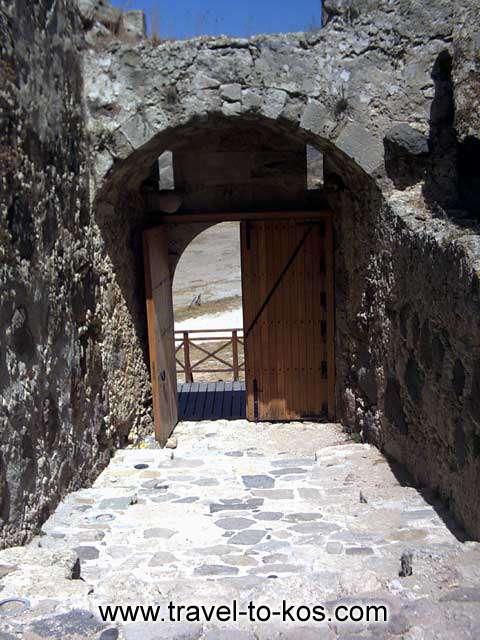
{"type": "Point", "coordinates": [260, 513]}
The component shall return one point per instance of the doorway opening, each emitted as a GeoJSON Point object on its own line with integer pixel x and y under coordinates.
{"type": "Point", "coordinates": [288, 319]}
{"type": "Point", "coordinates": [208, 316]}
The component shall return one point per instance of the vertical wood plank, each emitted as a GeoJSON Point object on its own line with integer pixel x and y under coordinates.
{"type": "Point", "coordinates": [161, 336]}
{"type": "Point", "coordinates": [236, 373]}
{"type": "Point", "coordinates": [186, 356]}
{"type": "Point", "coordinates": [152, 347]}
{"type": "Point", "coordinates": [272, 258]}
{"type": "Point", "coordinates": [247, 310]}
{"type": "Point", "coordinates": [309, 251]}
{"type": "Point", "coordinates": [262, 339]}
{"type": "Point", "coordinates": [330, 318]}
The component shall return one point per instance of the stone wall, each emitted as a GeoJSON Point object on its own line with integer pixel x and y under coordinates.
{"type": "Point", "coordinates": [466, 68]}
{"type": "Point", "coordinates": [431, 403]}
{"type": "Point", "coordinates": [408, 338]}
{"type": "Point", "coordinates": [53, 436]}
{"type": "Point", "coordinates": [466, 84]}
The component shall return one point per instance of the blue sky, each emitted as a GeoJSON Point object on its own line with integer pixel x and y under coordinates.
{"type": "Point", "coordinates": [188, 18]}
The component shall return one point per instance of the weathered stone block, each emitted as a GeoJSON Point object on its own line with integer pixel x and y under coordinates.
{"type": "Point", "coordinates": [405, 155]}
{"type": "Point", "coordinates": [134, 25]}
{"type": "Point", "coordinates": [231, 92]}
{"type": "Point", "coordinates": [408, 140]}
{"type": "Point", "coordinates": [360, 145]}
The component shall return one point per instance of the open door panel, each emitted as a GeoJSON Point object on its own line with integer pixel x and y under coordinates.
{"type": "Point", "coordinates": [161, 332]}
{"type": "Point", "coordinates": [287, 283]}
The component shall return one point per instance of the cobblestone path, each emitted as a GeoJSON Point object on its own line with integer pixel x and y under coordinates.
{"type": "Point", "coordinates": [252, 513]}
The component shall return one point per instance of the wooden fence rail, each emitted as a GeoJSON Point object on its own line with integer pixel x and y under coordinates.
{"type": "Point", "coordinates": [203, 343]}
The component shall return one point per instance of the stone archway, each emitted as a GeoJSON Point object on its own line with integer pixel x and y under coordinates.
{"type": "Point", "coordinates": [123, 213]}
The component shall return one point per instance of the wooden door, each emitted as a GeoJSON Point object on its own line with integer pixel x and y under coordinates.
{"type": "Point", "coordinates": [161, 332]}
{"type": "Point", "coordinates": [287, 281]}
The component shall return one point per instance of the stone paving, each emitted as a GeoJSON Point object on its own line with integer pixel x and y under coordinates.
{"type": "Point", "coordinates": [260, 513]}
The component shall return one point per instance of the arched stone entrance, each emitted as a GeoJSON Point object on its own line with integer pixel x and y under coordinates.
{"type": "Point", "coordinates": [247, 159]}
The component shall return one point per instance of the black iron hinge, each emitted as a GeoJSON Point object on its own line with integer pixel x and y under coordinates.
{"type": "Point", "coordinates": [324, 369]}
{"type": "Point", "coordinates": [255, 400]}
{"type": "Point", "coordinates": [248, 233]}
{"type": "Point", "coordinates": [323, 328]}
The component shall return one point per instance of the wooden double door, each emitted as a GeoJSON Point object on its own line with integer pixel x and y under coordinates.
{"type": "Point", "coordinates": [288, 309]}
{"type": "Point", "coordinates": [287, 283]}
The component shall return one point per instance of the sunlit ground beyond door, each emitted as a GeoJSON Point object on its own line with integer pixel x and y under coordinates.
{"type": "Point", "coordinates": [207, 298]}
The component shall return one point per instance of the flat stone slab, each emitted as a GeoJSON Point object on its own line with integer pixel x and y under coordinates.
{"type": "Point", "coordinates": [116, 503]}
{"type": "Point", "coordinates": [247, 537]}
{"type": "Point", "coordinates": [181, 463]}
{"type": "Point", "coordinates": [269, 515]}
{"type": "Point", "coordinates": [314, 527]}
{"type": "Point", "coordinates": [271, 546]}
{"type": "Point", "coordinates": [419, 514]}
{"type": "Point", "coordinates": [277, 568]}
{"type": "Point", "coordinates": [162, 557]}
{"type": "Point", "coordinates": [303, 517]}
{"type": "Point", "coordinates": [234, 523]}
{"type": "Point", "coordinates": [288, 471]}
{"type": "Point", "coordinates": [167, 497]}
{"type": "Point", "coordinates": [251, 503]}
{"type": "Point", "coordinates": [7, 636]}
{"type": "Point", "coordinates": [109, 634]}
{"type": "Point", "coordinates": [75, 623]}
{"type": "Point", "coordinates": [258, 482]}
{"type": "Point", "coordinates": [87, 553]}
{"type": "Point", "coordinates": [215, 570]}
{"type": "Point", "coordinates": [334, 548]}
{"type": "Point", "coordinates": [309, 494]}
{"type": "Point", "coordinates": [293, 462]}
{"type": "Point", "coordinates": [155, 484]}
{"type": "Point", "coordinates": [274, 494]}
{"type": "Point", "coordinates": [242, 561]}
{"type": "Point", "coordinates": [359, 551]}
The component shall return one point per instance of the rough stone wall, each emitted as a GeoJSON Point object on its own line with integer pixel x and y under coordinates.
{"type": "Point", "coordinates": [408, 338]}
{"type": "Point", "coordinates": [466, 84]}
{"type": "Point", "coordinates": [407, 290]}
{"type": "Point", "coordinates": [466, 68]}
{"type": "Point", "coordinates": [53, 437]}
{"type": "Point", "coordinates": [431, 401]}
